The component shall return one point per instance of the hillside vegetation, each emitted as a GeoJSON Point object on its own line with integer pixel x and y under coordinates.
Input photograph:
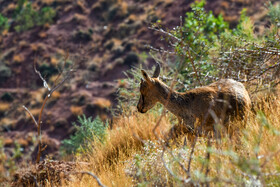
{"type": "Point", "coordinates": [133, 155]}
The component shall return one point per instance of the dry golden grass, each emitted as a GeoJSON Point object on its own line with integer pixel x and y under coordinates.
{"type": "Point", "coordinates": [54, 61]}
{"type": "Point", "coordinates": [35, 112]}
{"type": "Point", "coordinates": [43, 34]}
{"type": "Point", "coordinates": [253, 150]}
{"type": "Point", "coordinates": [56, 95]}
{"type": "Point", "coordinates": [4, 106]}
{"type": "Point", "coordinates": [18, 58]}
{"type": "Point", "coordinates": [124, 140]}
{"type": "Point", "coordinates": [102, 103]}
{"type": "Point", "coordinates": [76, 110]}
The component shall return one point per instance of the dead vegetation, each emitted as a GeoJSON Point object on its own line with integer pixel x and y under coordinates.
{"type": "Point", "coordinates": [46, 173]}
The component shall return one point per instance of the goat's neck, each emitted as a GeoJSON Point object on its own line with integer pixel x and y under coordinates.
{"type": "Point", "coordinates": [171, 99]}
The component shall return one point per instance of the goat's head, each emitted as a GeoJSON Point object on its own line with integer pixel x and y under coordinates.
{"type": "Point", "coordinates": [148, 97]}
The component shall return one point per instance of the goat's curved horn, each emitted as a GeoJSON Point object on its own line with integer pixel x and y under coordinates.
{"type": "Point", "coordinates": [157, 71]}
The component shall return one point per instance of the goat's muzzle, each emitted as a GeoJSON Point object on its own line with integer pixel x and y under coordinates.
{"type": "Point", "coordinates": [141, 110]}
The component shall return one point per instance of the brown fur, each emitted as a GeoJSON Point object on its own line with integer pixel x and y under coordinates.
{"type": "Point", "coordinates": [209, 105]}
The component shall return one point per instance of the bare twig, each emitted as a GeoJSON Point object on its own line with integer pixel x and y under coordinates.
{"type": "Point", "coordinates": [191, 155]}
{"type": "Point", "coordinates": [271, 174]}
{"type": "Point", "coordinates": [185, 181]}
{"type": "Point", "coordinates": [160, 30]}
{"type": "Point", "coordinates": [67, 76]}
{"type": "Point", "coordinates": [31, 115]}
{"type": "Point", "coordinates": [193, 66]}
{"type": "Point", "coordinates": [181, 165]}
{"type": "Point", "coordinates": [38, 72]}
{"type": "Point", "coordinates": [208, 155]}
{"type": "Point", "coordinates": [94, 176]}
{"type": "Point", "coordinates": [45, 84]}
{"type": "Point", "coordinates": [159, 50]}
{"type": "Point", "coordinates": [35, 180]}
{"type": "Point", "coordinates": [64, 62]}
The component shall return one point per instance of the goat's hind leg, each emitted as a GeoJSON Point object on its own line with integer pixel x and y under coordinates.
{"type": "Point", "coordinates": [179, 130]}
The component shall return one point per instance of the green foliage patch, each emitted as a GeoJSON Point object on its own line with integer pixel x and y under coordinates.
{"type": "Point", "coordinates": [4, 24]}
{"type": "Point", "coordinates": [26, 17]}
{"type": "Point", "coordinates": [5, 72]}
{"type": "Point", "coordinates": [87, 131]}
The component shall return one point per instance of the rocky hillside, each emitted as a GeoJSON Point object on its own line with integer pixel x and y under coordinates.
{"type": "Point", "coordinates": [102, 37]}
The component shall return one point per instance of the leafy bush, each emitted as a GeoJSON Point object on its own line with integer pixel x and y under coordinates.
{"type": "Point", "coordinates": [46, 16]}
{"type": "Point", "coordinates": [87, 131]}
{"type": "Point", "coordinates": [8, 163]}
{"type": "Point", "coordinates": [274, 13]}
{"type": "Point", "coordinates": [26, 17]}
{"type": "Point", "coordinates": [200, 28]}
{"type": "Point", "coordinates": [5, 73]}
{"type": "Point", "coordinates": [4, 25]}
{"type": "Point", "coordinates": [47, 69]}
{"type": "Point", "coordinates": [247, 57]}
{"type": "Point", "coordinates": [126, 93]}
{"type": "Point", "coordinates": [195, 38]}
{"type": "Point", "coordinates": [206, 49]}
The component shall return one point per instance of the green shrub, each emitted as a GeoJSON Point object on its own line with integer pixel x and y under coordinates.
{"type": "Point", "coordinates": [86, 132]}
{"type": "Point", "coordinates": [9, 162]}
{"type": "Point", "coordinates": [26, 17]}
{"type": "Point", "coordinates": [274, 13]}
{"type": "Point", "coordinates": [206, 49]}
{"type": "Point", "coordinates": [47, 69]}
{"type": "Point", "coordinates": [5, 73]}
{"type": "Point", "coordinates": [8, 97]}
{"type": "Point", "coordinates": [4, 25]}
{"type": "Point", "coordinates": [197, 35]}
{"type": "Point", "coordinates": [82, 36]}
{"type": "Point", "coordinates": [46, 16]}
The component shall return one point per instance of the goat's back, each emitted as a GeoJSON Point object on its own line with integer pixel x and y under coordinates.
{"type": "Point", "coordinates": [225, 97]}
{"type": "Point", "coordinates": [232, 91]}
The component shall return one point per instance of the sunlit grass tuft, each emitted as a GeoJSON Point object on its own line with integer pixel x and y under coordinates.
{"type": "Point", "coordinates": [109, 160]}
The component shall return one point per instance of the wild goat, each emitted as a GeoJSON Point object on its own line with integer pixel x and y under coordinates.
{"type": "Point", "coordinates": [209, 105]}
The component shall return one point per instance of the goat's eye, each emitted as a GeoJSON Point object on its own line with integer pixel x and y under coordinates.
{"type": "Point", "coordinates": [142, 87]}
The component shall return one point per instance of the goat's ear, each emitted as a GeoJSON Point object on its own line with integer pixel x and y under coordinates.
{"type": "Point", "coordinates": [146, 76]}
{"type": "Point", "coordinates": [157, 71]}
